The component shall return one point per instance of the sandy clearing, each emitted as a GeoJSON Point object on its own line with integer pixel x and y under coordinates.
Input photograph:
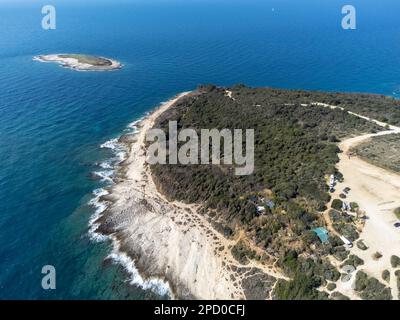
{"type": "Point", "coordinates": [377, 191]}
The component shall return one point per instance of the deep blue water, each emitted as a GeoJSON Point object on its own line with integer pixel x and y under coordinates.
{"type": "Point", "coordinates": [53, 120]}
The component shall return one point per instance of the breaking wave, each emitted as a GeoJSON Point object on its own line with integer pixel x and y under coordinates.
{"type": "Point", "coordinates": [106, 175]}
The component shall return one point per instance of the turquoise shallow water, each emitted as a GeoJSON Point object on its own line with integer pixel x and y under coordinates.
{"type": "Point", "coordinates": [53, 120]}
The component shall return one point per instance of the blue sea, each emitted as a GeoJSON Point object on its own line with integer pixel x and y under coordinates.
{"type": "Point", "coordinates": [56, 125]}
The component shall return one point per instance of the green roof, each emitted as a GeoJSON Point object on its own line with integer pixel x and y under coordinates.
{"type": "Point", "coordinates": [322, 234]}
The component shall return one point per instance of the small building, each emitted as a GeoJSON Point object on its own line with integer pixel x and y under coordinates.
{"type": "Point", "coordinates": [322, 234]}
{"type": "Point", "coordinates": [260, 209]}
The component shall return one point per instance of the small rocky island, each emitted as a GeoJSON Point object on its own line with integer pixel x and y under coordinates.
{"type": "Point", "coordinates": [81, 62]}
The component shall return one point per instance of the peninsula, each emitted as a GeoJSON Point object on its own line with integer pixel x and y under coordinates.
{"type": "Point", "coordinates": [81, 62]}
{"type": "Point", "coordinates": [287, 230]}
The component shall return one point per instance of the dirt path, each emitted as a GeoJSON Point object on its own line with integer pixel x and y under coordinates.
{"type": "Point", "coordinates": [171, 240]}
{"type": "Point", "coordinates": [174, 241]}
{"type": "Point", "coordinates": [377, 191]}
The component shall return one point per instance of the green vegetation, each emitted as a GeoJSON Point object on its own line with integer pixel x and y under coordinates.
{"type": "Point", "coordinates": [354, 261]}
{"type": "Point", "coordinates": [397, 274]}
{"type": "Point", "coordinates": [337, 204]}
{"type": "Point", "coordinates": [395, 261]}
{"type": "Point", "coordinates": [331, 286]}
{"type": "Point", "coordinates": [386, 275]}
{"type": "Point", "coordinates": [361, 245]}
{"type": "Point", "coordinates": [344, 224]}
{"type": "Point", "coordinates": [370, 288]}
{"type": "Point", "coordinates": [382, 151]}
{"type": "Point", "coordinates": [354, 206]}
{"type": "Point", "coordinates": [397, 213]}
{"type": "Point", "coordinates": [310, 237]}
{"type": "Point", "coordinates": [318, 268]}
{"type": "Point", "coordinates": [377, 255]}
{"type": "Point", "coordinates": [340, 253]}
{"type": "Point", "coordinates": [92, 60]}
{"type": "Point", "coordinates": [338, 296]}
{"type": "Point", "coordinates": [379, 107]}
{"type": "Point", "coordinates": [300, 288]}
{"type": "Point", "coordinates": [242, 253]}
{"type": "Point", "coordinates": [295, 150]}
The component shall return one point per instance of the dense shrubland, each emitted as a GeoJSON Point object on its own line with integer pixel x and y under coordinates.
{"type": "Point", "coordinates": [295, 151]}
{"type": "Point", "coordinates": [370, 288]}
{"type": "Point", "coordinates": [379, 107]}
{"type": "Point", "coordinates": [382, 151]}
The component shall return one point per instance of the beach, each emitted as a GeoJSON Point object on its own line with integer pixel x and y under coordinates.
{"type": "Point", "coordinates": [170, 243]}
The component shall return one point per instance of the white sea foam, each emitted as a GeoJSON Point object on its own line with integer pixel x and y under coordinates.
{"type": "Point", "coordinates": [156, 285]}
{"type": "Point", "coordinates": [106, 165]}
{"type": "Point", "coordinates": [133, 127]}
{"type": "Point", "coordinates": [100, 207]}
{"type": "Point", "coordinates": [118, 149]}
{"type": "Point", "coordinates": [105, 175]}
{"type": "Point", "coordinates": [120, 152]}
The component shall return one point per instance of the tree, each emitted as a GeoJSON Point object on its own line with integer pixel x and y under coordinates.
{"type": "Point", "coordinates": [337, 204]}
